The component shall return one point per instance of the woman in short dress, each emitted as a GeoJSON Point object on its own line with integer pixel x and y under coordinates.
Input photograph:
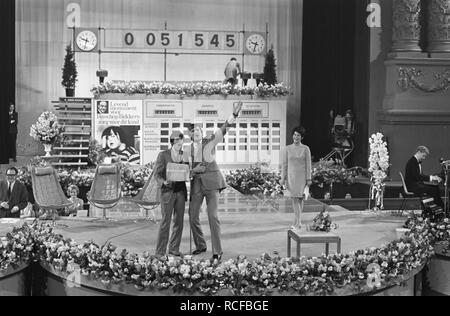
{"type": "Point", "coordinates": [296, 172]}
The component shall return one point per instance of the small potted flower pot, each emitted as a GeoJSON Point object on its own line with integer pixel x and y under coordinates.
{"type": "Point", "coordinates": [245, 76]}
{"type": "Point", "coordinates": [70, 92]}
{"type": "Point", "coordinates": [101, 74]}
{"type": "Point", "coordinates": [258, 77]}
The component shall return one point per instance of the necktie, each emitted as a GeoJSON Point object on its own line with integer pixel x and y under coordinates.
{"type": "Point", "coordinates": [9, 190]}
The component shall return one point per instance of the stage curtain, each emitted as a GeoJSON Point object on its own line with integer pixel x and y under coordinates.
{"type": "Point", "coordinates": [7, 64]}
{"type": "Point", "coordinates": [335, 71]}
{"type": "Point", "coordinates": [42, 35]}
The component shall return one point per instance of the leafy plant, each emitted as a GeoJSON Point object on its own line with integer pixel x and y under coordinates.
{"type": "Point", "coordinates": [69, 75]}
{"type": "Point", "coordinates": [96, 153]}
{"type": "Point", "coordinates": [270, 73]}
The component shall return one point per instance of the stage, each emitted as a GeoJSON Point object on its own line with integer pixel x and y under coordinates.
{"type": "Point", "coordinates": [243, 233]}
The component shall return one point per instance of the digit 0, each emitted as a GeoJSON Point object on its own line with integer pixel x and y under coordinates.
{"type": "Point", "coordinates": [129, 39]}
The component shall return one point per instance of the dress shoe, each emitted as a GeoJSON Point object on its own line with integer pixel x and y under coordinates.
{"type": "Point", "coordinates": [198, 251]}
{"type": "Point", "coordinates": [217, 257]}
{"type": "Point", "coordinates": [175, 253]}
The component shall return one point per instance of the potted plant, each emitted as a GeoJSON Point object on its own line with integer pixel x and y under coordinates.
{"type": "Point", "coordinates": [69, 75]}
{"type": "Point", "coordinates": [258, 77]}
{"type": "Point", "coordinates": [46, 130]}
{"type": "Point", "coordinates": [270, 73]}
{"type": "Point", "coordinates": [245, 76]}
{"type": "Point", "coordinates": [101, 74]}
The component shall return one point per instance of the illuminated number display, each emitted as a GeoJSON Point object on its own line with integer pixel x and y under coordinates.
{"type": "Point", "coordinates": [177, 40]}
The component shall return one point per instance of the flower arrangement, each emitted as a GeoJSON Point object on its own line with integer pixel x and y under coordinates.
{"type": "Point", "coordinates": [378, 166]}
{"type": "Point", "coordinates": [96, 153]}
{"type": "Point", "coordinates": [328, 171]}
{"type": "Point", "coordinates": [190, 89]}
{"type": "Point", "coordinates": [325, 275]}
{"type": "Point", "coordinates": [322, 222]}
{"type": "Point", "coordinates": [133, 180]}
{"type": "Point", "coordinates": [46, 130]}
{"type": "Point", "coordinates": [252, 180]}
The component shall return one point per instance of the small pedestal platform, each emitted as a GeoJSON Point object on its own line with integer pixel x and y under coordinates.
{"type": "Point", "coordinates": [306, 237]}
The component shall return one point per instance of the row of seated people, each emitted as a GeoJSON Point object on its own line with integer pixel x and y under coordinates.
{"type": "Point", "coordinates": [14, 199]}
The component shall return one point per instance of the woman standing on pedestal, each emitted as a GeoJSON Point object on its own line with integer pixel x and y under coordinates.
{"type": "Point", "coordinates": [296, 172]}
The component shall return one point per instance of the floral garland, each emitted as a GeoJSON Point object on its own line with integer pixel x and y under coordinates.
{"type": "Point", "coordinates": [328, 171]}
{"type": "Point", "coordinates": [190, 89]}
{"type": "Point", "coordinates": [253, 181]}
{"type": "Point", "coordinates": [378, 165]}
{"type": "Point", "coordinates": [322, 222]}
{"type": "Point", "coordinates": [46, 130]}
{"type": "Point", "coordinates": [305, 276]}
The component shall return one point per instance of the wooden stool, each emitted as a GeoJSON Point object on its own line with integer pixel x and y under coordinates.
{"type": "Point", "coordinates": [312, 238]}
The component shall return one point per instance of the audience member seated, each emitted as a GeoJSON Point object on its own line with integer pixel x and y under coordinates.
{"type": "Point", "coordinates": [414, 178]}
{"type": "Point", "coordinates": [78, 203]}
{"type": "Point", "coordinates": [13, 195]}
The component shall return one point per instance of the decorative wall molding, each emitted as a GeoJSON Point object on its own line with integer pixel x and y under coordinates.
{"type": "Point", "coordinates": [408, 79]}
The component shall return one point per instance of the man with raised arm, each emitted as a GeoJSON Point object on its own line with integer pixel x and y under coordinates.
{"type": "Point", "coordinates": [207, 183]}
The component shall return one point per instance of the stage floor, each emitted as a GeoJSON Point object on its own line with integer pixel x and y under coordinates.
{"type": "Point", "coordinates": [243, 233]}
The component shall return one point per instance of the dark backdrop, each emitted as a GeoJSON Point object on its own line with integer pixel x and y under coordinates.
{"type": "Point", "coordinates": [7, 71]}
{"type": "Point", "coordinates": [335, 72]}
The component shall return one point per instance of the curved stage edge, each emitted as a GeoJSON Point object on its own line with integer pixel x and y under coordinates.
{"type": "Point", "coordinates": [439, 271]}
{"type": "Point", "coordinates": [16, 281]}
{"type": "Point", "coordinates": [55, 283]}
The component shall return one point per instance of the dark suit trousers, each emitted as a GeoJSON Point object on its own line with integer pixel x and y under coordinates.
{"type": "Point", "coordinates": [198, 193]}
{"type": "Point", "coordinates": [171, 203]}
{"type": "Point", "coordinates": [430, 190]}
{"type": "Point", "coordinates": [12, 145]}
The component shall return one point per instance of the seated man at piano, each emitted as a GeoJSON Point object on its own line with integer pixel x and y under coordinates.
{"type": "Point", "coordinates": [415, 179]}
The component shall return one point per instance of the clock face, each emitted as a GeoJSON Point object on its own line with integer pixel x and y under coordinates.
{"type": "Point", "coordinates": [86, 40]}
{"type": "Point", "coordinates": [255, 44]}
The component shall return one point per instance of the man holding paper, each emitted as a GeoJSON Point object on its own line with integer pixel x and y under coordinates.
{"type": "Point", "coordinates": [171, 173]}
{"type": "Point", "coordinates": [296, 173]}
{"type": "Point", "coordinates": [207, 183]}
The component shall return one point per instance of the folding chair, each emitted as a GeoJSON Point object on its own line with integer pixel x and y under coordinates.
{"type": "Point", "coordinates": [407, 196]}
{"type": "Point", "coordinates": [149, 197]}
{"type": "Point", "coordinates": [47, 190]}
{"type": "Point", "coordinates": [106, 190]}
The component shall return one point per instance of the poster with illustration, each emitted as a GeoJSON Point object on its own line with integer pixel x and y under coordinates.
{"type": "Point", "coordinates": [117, 128]}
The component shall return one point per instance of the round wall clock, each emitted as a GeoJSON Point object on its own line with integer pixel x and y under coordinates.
{"type": "Point", "coordinates": [86, 40]}
{"type": "Point", "coordinates": [255, 44]}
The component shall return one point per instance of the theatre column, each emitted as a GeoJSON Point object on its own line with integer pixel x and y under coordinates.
{"type": "Point", "coordinates": [406, 26]}
{"type": "Point", "coordinates": [439, 26]}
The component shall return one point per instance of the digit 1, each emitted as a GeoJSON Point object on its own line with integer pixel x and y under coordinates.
{"type": "Point", "coordinates": [180, 39]}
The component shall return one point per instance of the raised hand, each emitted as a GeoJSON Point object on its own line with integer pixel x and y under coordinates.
{"type": "Point", "coordinates": [237, 107]}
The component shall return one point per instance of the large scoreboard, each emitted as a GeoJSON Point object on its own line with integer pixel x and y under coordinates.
{"type": "Point", "coordinates": [257, 136]}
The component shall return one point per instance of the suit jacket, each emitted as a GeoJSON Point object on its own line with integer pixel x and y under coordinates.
{"type": "Point", "coordinates": [19, 196]}
{"type": "Point", "coordinates": [163, 159]}
{"type": "Point", "coordinates": [13, 123]}
{"type": "Point", "coordinates": [212, 178]}
{"type": "Point", "coordinates": [413, 177]}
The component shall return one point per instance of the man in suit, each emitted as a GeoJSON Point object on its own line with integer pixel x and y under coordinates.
{"type": "Point", "coordinates": [12, 129]}
{"type": "Point", "coordinates": [173, 198]}
{"type": "Point", "coordinates": [207, 183]}
{"type": "Point", "coordinates": [13, 195]}
{"type": "Point", "coordinates": [414, 178]}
